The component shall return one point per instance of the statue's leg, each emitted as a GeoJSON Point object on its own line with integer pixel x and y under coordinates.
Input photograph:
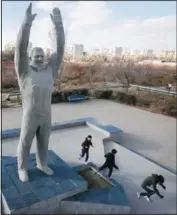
{"type": "Point", "coordinates": [28, 130]}
{"type": "Point", "coordinates": [42, 136]}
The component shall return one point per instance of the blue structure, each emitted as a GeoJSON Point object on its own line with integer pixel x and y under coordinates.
{"type": "Point", "coordinates": [114, 195]}
{"type": "Point", "coordinates": [109, 196]}
{"type": "Point", "coordinates": [74, 98]}
{"type": "Point", "coordinates": [42, 192]}
{"type": "Point", "coordinates": [19, 195]}
{"type": "Point", "coordinates": [9, 133]}
{"type": "Point", "coordinates": [41, 188]}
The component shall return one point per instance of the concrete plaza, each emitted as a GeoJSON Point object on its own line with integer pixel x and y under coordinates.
{"type": "Point", "coordinates": [152, 135]}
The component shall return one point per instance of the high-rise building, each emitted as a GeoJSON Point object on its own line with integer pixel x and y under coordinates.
{"type": "Point", "coordinates": [77, 50]}
{"type": "Point", "coordinates": [105, 51]}
{"type": "Point", "coordinates": [95, 51]}
{"type": "Point", "coordinates": [148, 52]}
{"type": "Point", "coordinates": [117, 51]}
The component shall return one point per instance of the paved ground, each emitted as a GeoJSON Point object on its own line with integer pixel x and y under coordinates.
{"type": "Point", "coordinates": [153, 135]}
{"type": "Point", "coordinates": [133, 168]}
{"type": "Point", "coordinates": [66, 143]}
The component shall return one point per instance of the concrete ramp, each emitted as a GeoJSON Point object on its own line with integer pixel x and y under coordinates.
{"type": "Point", "coordinates": [133, 169]}
{"type": "Point", "coordinates": [102, 197]}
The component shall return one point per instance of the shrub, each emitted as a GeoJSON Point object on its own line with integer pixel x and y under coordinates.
{"type": "Point", "coordinates": [84, 92]}
{"type": "Point", "coordinates": [10, 85]}
{"type": "Point", "coordinates": [171, 107]}
{"type": "Point", "coordinates": [66, 93]}
{"type": "Point", "coordinates": [126, 98]}
{"type": "Point", "coordinates": [131, 99]}
{"type": "Point", "coordinates": [143, 102]}
{"type": "Point", "coordinates": [103, 94]}
{"type": "Point", "coordinates": [121, 97]}
{"type": "Point", "coordinates": [8, 55]}
{"type": "Point", "coordinates": [56, 97]}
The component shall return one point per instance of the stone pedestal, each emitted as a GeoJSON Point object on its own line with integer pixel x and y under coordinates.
{"type": "Point", "coordinates": [43, 193]}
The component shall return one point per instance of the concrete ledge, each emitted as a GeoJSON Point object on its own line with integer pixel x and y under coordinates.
{"type": "Point", "coordinates": [113, 133]}
{"type": "Point", "coordinates": [67, 125]}
{"type": "Point", "coordinates": [101, 127]}
{"type": "Point", "coordinates": [68, 207]}
{"type": "Point", "coordinates": [107, 129]}
{"type": "Point", "coordinates": [10, 133]}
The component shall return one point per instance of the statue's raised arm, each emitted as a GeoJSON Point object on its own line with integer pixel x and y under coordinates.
{"type": "Point", "coordinates": [58, 43]}
{"type": "Point", "coordinates": [21, 56]}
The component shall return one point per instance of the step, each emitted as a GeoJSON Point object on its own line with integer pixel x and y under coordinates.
{"type": "Point", "coordinates": [102, 197]}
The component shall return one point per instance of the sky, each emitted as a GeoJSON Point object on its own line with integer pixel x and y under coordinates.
{"type": "Point", "coordinates": [97, 24]}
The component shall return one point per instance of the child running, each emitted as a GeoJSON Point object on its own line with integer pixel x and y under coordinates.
{"type": "Point", "coordinates": [109, 163]}
{"type": "Point", "coordinates": [85, 148]}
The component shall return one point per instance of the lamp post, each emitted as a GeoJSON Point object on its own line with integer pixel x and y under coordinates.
{"type": "Point", "coordinates": [169, 87]}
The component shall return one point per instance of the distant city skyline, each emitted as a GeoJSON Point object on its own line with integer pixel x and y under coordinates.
{"type": "Point", "coordinates": [133, 25]}
{"type": "Point", "coordinates": [79, 50]}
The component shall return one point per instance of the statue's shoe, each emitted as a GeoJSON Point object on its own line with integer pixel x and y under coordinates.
{"type": "Point", "coordinates": [46, 170]}
{"type": "Point", "coordinates": [23, 175]}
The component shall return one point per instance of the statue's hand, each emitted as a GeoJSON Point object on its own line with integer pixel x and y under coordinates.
{"type": "Point", "coordinates": [56, 17]}
{"type": "Point", "coordinates": [29, 17]}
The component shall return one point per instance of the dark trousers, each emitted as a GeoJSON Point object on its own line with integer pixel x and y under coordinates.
{"type": "Point", "coordinates": [105, 165]}
{"type": "Point", "coordinates": [85, 152]}
{"type": "Point", "coordinates": [149, 192]}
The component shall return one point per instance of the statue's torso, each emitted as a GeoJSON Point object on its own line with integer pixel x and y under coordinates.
{"type": "Point", "coordinates": [36, 90]}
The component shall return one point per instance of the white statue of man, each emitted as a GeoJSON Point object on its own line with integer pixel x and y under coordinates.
{"type": "Point", "coordinates": [36, 81]}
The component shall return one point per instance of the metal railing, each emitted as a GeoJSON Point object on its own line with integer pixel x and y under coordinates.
{"type": "Point", "coordinates": [154, 89]}
{"type": "Point", "coordinates": [114, 85]}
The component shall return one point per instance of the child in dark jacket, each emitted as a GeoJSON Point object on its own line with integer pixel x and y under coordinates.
{"type": "Point", "coordinates": [85, 147]}
{"type": "Point", "coordinates": [110, 162]}
{"type": "Point", "coordinates": [152, 180]}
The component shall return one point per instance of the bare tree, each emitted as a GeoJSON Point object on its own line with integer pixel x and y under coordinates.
{"type": "Point", "coordinates": [129, 73]}
{"type": "Point", "coordinates": [92, 71]}
{"type": "Point", "coordinates": [8, 52]}
{"type": "Point", "coordinates": [117, 70]}
{"type": "Point", "coordinates": [125, 72]}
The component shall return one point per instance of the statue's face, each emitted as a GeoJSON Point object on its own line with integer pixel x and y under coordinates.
{"type": "Point", "coordinates": [37, 57]}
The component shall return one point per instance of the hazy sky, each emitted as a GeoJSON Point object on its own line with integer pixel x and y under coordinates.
{"type": "Point", "coordinates": [133, 25]}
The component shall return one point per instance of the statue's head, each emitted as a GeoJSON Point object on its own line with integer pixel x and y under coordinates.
{"type": "Point", "coordinates": [37, 56]}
